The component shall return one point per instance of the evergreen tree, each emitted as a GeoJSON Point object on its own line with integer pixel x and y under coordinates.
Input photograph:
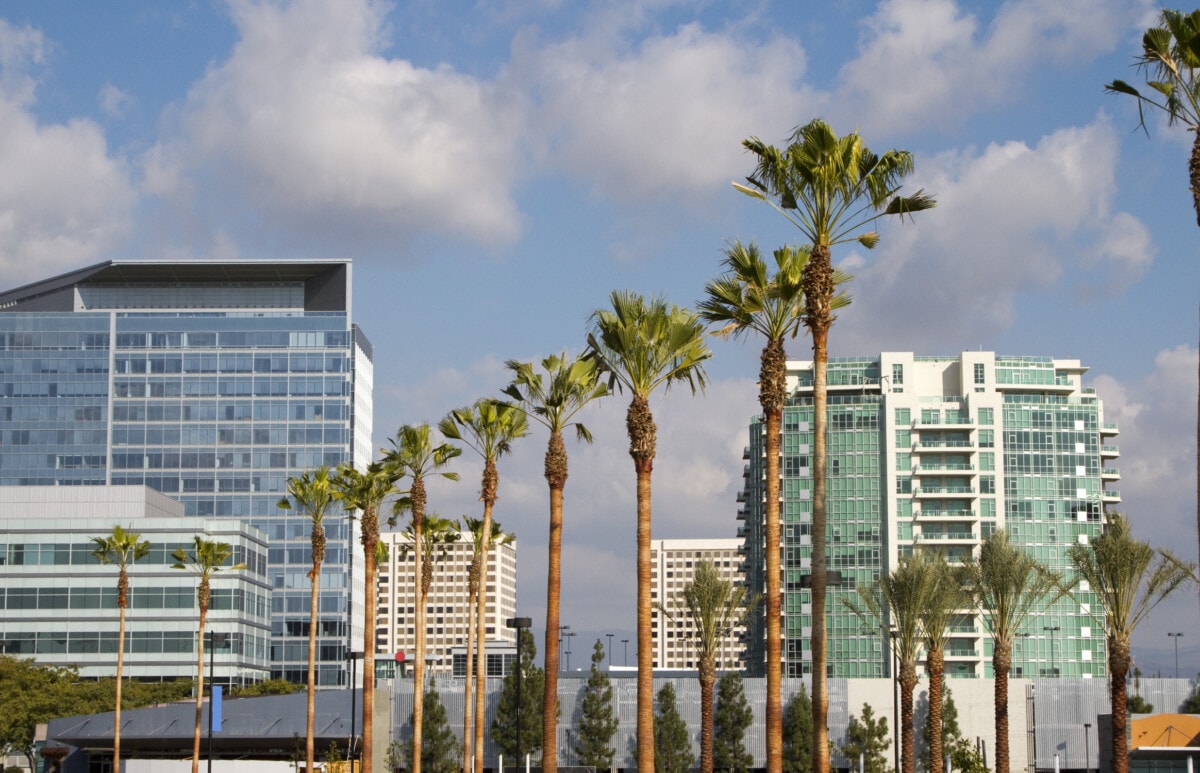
{"type": "Point", "coordinates": [1192, 704]}
{"type": "Point", "coordinates": [672, 747]}
{"type": "Point", "coordinates": [439, 747]}
{"type": "Point", "coordinates": [730, 722]}
{"type": "Point", "coordinates": [798, 734]}
{"type": "Point", "coordinates": [598, 722]}
{"type": "Point", "coordinates": [533, 682]}
{"type": "Point", "coordinates": [869, 737]}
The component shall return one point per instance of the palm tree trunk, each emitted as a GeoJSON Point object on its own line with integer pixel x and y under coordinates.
{"type": "Point", "coordinates": [419, 630]}
{"type": "Point", "coordinates": [1001, 662]}
{"type": "Point", "coordinates": [556, 478]}
{"type": "Point", "coordinates": [199, 687]}
{"type": "Point", "coordinates": [645, 649]}
{"type": "Point", "coordinates": [1118, 668]}
{"type": "Point", "coordinates": [310, 720]}
{"type": "Point", "coordinates": [820, 698]}
{"type": "Point", "coordinates": [481, 635]}
{"type": "Point", "coordinates": [120, 670]}
{"type": "Point", "coordinates": [468, 701]}
{"type": "Point", "coordinates": [908, 681]}
{"type": "Point", "coordinates": [772, 395]}
{"type": "Point", "coordinates": [708, 677]}
{"type": "Point", "coordinates": [935, 661]}
{"type": "Point", "coordinates": [370, 536]}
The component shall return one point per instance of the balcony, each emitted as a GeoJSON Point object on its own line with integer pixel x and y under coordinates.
{"type": "Point", "coordinates": [936, 469]}
{"type": "Point", "coordinates": [945, 491]}
{"type": "Point", "coordinates": [1110, 473]}
{"type": "Point", "coordinates": [947, 514]}
{"type": "Point", "coordinates": [1110, 496]}
{"type": "Point", "coordinates": [1109, 452]}
{"type": "Point", "coordinates": [1109, 429]}
{"type": "Point", "coordinates": [947, 536]}
{"type": "Point", "coordinates": [943, 445]}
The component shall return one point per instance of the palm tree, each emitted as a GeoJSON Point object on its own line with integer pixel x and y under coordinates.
{"type": "Point", "coordinates": [314, 494]}
{"type": "Point", "coordinates": [713, 606]}
{"type": "Point", "coordinates": [205, 559]}
{"type": "Point", "coordinates": [488, 427]}
{"type": "Point", "coordinates": [1171, 57]}
{"type": "Point", "coordinates": [1118, 570]}
{"type": "Point", "coordinates": [1008, 585]}
{"type": "Point", "coordinates": [947, 599]}
{"type": "Point", "coordinates": [474, 574]}
{"type": "Point", "coordinates": [748, 297]}
{"type": "Point", "coordinates": [554, 401]}
{"type": "Point", "coordinates": [414, 455]}
{"type": "Point", "coordinates": [365, 492]}
{"type": "Point", "coordinates": [121, 547]}
{"type": "Point", "coordinates": [643, 344]}
{"type": "Point", "coordinates": [831, 188]}
{"type": "Point", "coordinates": [899, 603]}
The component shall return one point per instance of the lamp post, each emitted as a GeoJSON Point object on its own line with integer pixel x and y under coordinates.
{"type": "Point", "coordinates": [610, 638]}
{"type": "Point", "coordinates": [214, 640]}
{"type": "Point", "coordinates": [353, 657]}
{"type": "Point", "coordinates": [1087, 748]}
{"type": "Point", "coordinates": [626, 643]}
{"type": "Point", "coordinates": [569, 635]}
{"type": "Point", "coordinates": [893, 633]}
{"type": "Point", "coordinates": [1052, 630]}
{"type": "Point", "coordinates": [1175, 635]}
{"type": "Point", "coordinates": [520, 624]}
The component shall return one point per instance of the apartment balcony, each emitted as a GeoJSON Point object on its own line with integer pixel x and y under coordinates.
{"type": "Point", "coordinates": [947, 538]}
{"type": "Point", "coordinates": [1110, 497]}
{"type": "Point", "coordinates": [1109, 429]}
{"type": "Point", "coordinates": [961, 422]}
{"type": "Point", "coordinates": [943, 445]}
{"type": "Point", "coordinates": [949, 492]}
{"type": "Point", "coordinates": [1109, 452]}
{"type": "Point", "coordinates": [943, 469]}
{"type": "Point", "coordinates": [960, 653]}
{"type": "Point", "coordinates": [741, 514]}
{"type": "Point", "coordinates": [1110, 473]}
{"type": "Point", "coordinates": [947, 515]}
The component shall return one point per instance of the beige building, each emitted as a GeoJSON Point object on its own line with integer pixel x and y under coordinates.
{"type": "Point", "coordinates": [446, 612]}
{"type": "Point", "coordinates": [673, 565]}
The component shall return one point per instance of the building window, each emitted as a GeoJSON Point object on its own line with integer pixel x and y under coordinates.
{"type": "Point", "coordinates": [897, 374]}
{"type": "Point", "coordinates": [979, 373]}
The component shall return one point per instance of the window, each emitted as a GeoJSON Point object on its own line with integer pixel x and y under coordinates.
{"type": "Point", "coordinates": [897, 374]}
{"type": "Point", "coordinates": [979, 373]}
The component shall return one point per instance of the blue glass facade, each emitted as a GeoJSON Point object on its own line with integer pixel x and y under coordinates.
{"type": "Point", "coordinates": [211, 383]}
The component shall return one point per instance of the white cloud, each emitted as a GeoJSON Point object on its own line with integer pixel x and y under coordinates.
{"type": "Point", "coordinates": [933, 58]}
{"type": "Point", "coordinates": [63, 199]}
{"type": "Point", "coordinates": [307, 131]}
{"type": "Point", "coordinates": [1010, 218]}
{"type": "Point", "coordinates": [667, 117]}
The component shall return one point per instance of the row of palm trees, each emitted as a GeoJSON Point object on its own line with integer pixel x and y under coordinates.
{"type": "Point", "coordinates": [919, 600]}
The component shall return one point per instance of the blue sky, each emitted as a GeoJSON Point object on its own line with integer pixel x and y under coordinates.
{"type": "Point", "coordinates": [496, 169]}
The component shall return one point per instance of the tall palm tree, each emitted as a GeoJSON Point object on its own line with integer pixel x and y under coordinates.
{"type": "Point", "coordinates": [643, 344]}
{"type": "Point", "coordinates": [831, 188]}
{"type": "Point", "coordinates": [713, 606]}
{"type": "Point", "coordinates": [1171, 58]}
{"type": "Point", "coordinates": [121, 547]}
{"type": "Point", "coordinates": [365, 492]}
{"type": "Point", "coordinates": [489, 427]}
{"type": "Point", "coordinates": [1118, 570]}
{"type": "Point", "coordinates": [1008, 585]}
{"type": "Point", "coordinates": [898, 602]}
{"type": "Point", "coordinates": [314, 494]}
{"type": "Point", "coordinates": [204, 560]}
{"type": "Point", "coordinates": [474, 575]}
{"type": "Point", "coordinates": [749, 297]}
{"type": "Point", "coordinates": [554, 400]}
{"type": "Point", "coordinates": [946, 601]}
{"type": "Point", "coordinates": [415, 456]}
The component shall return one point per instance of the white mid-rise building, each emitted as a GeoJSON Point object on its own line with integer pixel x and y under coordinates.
{"type": "Point", "coordinates": [673, 566]}
{"type": "Point", "coordinates": [446, 611]}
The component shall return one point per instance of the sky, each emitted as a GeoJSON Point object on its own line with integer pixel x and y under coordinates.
{"type": "Point", "coordinates": [496, 169]}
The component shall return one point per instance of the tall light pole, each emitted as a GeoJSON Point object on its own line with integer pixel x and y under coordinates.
{"type": "Point", "coordinates": [569, 635]}
{"type": "Point", "coordinates": [520, 623]}
{"type": "Point", "coordinates": [1175, 635]}
{"type": "Point", "coordinates": [893, 633]}
{"type": "Point", "coordinates": [610, 638]}
{"type": "Point", "coordinates": [214, 640]}
{"type": "Point", "coordinates": [1052, 630]}
{"type": "Point", "coordinates": [1087, 748]}
{"type": "Point", "coordinates": [353, 657]}
{"type": "Point", "coordinates": [562, 634]}
{"type": "Point", "coordinates": [626, 643]}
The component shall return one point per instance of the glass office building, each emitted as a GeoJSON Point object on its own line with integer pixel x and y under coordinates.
{"type": "Point", "coordinates": [212, 383]}
{"type": "Point", "coordinates": [936, 453]}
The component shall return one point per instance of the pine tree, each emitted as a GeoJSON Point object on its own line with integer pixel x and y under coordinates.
{"type": "Point", "coordinates": [672, 747]}
{"type": "Point", "coordinates": [730, 722]}
{"type": "Point", "coordinates": [598, 722]}
{"type": "Point", "coordinates": [533, 682]}
{"type": "Point", "coordinates": [869, 737]}
{"type": "Point", "coordinates": [798, 734]}
{"type": "Point", "coordinates": [439, 747]}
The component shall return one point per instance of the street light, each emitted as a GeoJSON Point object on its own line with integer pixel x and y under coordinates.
{"type": "Point", "coordinates": [562, 634]}
{"type": "Point", "coordinates": [626, 643]}
{"type": "Point", "coordinates": [895, 696]}
{"type": "Point", "coordinates": [569, 635]}
{"type": "Point", "coordinates": [353, 657]}
{"type": "Point", "coordinates": [1087, 749]}
{"type": "Point", "coordinates": [214, 640]}
{"type": "Point", "coordinates": [610, 638]}
{"type": "Point", "coordinates": [1175, 636]}
{"type": "Point", "coordinates": [519, 623]}
{"type": "Point", "coordinates": [1052, 629]}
